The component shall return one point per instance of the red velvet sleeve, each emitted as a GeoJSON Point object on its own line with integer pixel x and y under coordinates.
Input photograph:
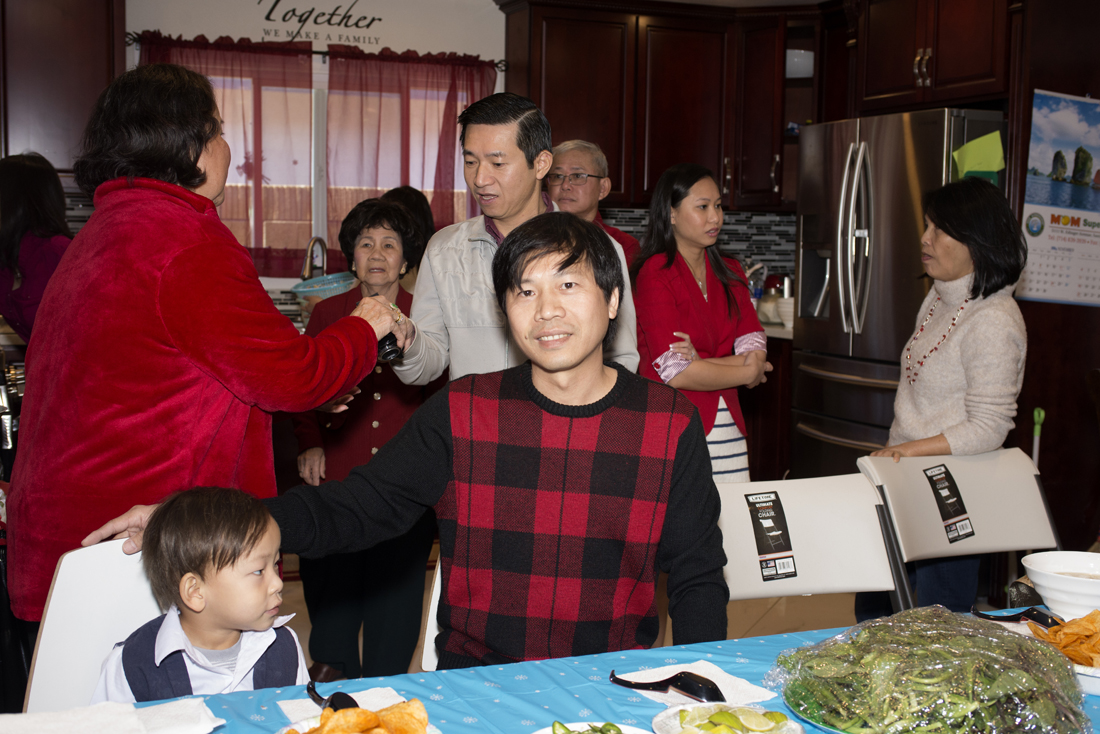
{"type": "Point", "coordinates": [216, 312]}
{"type": "Point", "coordinates": [659, 312]}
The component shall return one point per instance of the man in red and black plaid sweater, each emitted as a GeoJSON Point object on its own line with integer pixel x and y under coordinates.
{"type": "Point", "coordinates": [562, 487]}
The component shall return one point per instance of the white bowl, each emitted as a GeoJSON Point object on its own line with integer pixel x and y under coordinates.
{"type": "Point", "coordinates": [1070, 597]}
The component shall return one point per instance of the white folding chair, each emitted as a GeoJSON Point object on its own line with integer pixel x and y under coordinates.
{"type": "Point", "coordinates": [99, 595]}
{"type": "Point", "coordinates": [1001, 492]}
{"type": "Point", "coordinates": [837, 532]}
{"type": "Point", "coordinates": [429, 656]}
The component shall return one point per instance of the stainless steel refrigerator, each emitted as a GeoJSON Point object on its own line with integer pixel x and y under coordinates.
{"type": "Point", "coordinates": [859, 275]}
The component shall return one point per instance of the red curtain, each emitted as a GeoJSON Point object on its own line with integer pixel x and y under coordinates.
{"type": "Point", "coordinates": [264, 93]}
{"type": "Point", "coordinates": [393, 121]}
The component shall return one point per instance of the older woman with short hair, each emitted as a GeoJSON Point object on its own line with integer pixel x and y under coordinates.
{"type": "Point", "coordinates": [382, 587]}
{"type": "Point", "coordinates": [157, 354]}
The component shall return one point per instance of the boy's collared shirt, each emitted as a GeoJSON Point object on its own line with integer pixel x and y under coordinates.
{"type": "Point", "coordinates": [206, 679]}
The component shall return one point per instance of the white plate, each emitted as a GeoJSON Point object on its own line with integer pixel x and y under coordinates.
{"type": "Point", "coordinates": [583, 726]}
{"type": "Point", "coordinates": [1089, 678]}
{"type": "Point", "coordinates": [313, 721]}
{"type": "Point", "coordinates": [668, 721]}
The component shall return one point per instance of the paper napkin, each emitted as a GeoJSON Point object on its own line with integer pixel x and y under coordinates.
{"type": "Point", "coordinates": [186, 716]}
{"type": "Point", "coordinates": [736, 690]}
{"type": "Point", "coordinates": [299, 709]}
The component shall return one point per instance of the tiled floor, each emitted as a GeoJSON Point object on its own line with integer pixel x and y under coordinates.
{"type": "Point", "coordinates": [751, 618]}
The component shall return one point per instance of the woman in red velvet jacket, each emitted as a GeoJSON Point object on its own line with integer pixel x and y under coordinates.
{"type": "Point", "coordinates": [383, 587]}
{"type": "Point", "coordinates": [157, 354]}
{"type": "Point", "coordinates": [697, 328]}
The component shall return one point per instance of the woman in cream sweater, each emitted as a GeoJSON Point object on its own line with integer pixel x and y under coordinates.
{"type": "Point", "coordinates": [963, 368]}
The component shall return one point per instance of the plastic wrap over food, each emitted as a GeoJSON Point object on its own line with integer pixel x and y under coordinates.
{"type": "Point", "coordinates": [931, 670]}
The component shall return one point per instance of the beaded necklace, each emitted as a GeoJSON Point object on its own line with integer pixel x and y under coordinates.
{"type": "Point", "coordinates": [910, 373]}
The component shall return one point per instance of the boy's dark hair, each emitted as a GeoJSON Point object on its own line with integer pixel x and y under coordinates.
{"type": "Point", "coordinates": [421, 210]}
{"type": "Point", "coordinates": [532, 133]}
{"type": "Point", "coordinates": [153, 122]}
{"type": "Point", "coordinates": [564, 235]}
{"type": "Point", "coordinates": [198, 531]}
{"type": "Point", "coordinates": [371, 213]}
{"type": "Point", "coordinates": [975, 212]}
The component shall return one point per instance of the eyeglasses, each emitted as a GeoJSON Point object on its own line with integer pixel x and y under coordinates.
{"type": "Point", "coordinates": [575, 179]}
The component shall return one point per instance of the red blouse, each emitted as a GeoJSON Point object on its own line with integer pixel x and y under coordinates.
{"type": "Point", "coordinates": [38, 259]}
{"type": "Point", "coordinates": [668, 299]}
{"type": "Point", "coordinates": [156, 360]}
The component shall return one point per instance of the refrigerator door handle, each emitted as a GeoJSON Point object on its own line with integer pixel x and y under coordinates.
{"type": "Point", "coordinates": [837, 440]}
{"type": "Point", "coordinates": [841, 241]}
{"type": "Point", "coordinates": [850, 240]}
{"type": "Point", "coordinates": [848, 379]}
{"type": "Point", "coordinates": [863, 289]}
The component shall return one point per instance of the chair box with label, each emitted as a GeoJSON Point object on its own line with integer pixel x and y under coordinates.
{"type": "Point", "coordinates": [835, 532]}
{"type": "Point", "coordinates": [944, 506]}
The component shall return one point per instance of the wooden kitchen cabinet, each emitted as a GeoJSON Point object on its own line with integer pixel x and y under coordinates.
{"type": "Point", "coordinates": [683, 98]}
{"type": "Point", "coordinates": [916, 53]}
{"type": "Point", "coordinates": [578, 66]}
{"type": "Point", "coordinates": [58, 55]}
{"type": "Point", "coordinates": [758, 137]}
{"type": "Point", "coordinates": [767, 412]}
{"type": "Point", "coordinates": [659, 84]}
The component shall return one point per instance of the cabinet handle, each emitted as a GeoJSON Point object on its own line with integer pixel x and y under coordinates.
{"type": "Point", "coordinates": [916, 68]}
{"type": "Point", "coordinates": [729, 177]}
{"type": "Point", "coordinates": [924, 67]}
{"type": "Point", "coordinates": [775, 184]}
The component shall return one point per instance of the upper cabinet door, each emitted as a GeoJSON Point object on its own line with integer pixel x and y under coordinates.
{"type": "Point", "coordinates": [682, 98]}
{"type": "Point", "coordinates": [968, 49]}
{"type": "Point", "coordinates": [583, 79]}
{"type": "Point", "coordinates": [58, 57]}
{"type": "Point", "coordinates": [891, 53]}
{"type": "Point", "coordinates": [761, 58]}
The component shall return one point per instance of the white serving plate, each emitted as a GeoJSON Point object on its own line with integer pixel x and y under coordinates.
{"type": "Point", "coordinates": [583, 725]}
{"type": "Point", "coordinates": [668, 721]}
{"type": "Point", "coordinates": [1089, 678]}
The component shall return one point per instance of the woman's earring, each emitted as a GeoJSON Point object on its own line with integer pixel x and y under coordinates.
{"type": "Point", "coordinates": [403, 269]}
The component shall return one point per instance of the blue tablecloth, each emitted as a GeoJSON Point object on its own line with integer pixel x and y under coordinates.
{"type": "Point", "coordinates": [525, 697]}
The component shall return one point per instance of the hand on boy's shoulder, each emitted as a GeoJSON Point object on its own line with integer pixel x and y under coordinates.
{"type": "Point", "coordinates": [130, 526]}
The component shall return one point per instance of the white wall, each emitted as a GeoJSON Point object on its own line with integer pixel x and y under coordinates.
{"type": "Point", "coordinates": [425, 26]}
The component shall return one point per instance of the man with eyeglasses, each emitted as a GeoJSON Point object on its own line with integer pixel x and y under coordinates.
{"type": "Point", "coordinates": [578, 181]}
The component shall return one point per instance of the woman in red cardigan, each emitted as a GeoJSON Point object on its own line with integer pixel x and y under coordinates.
{"type": "Point", "coordinates": [157, 355]}
{"type": "Point", "coordinates": [381, 588]}
{"type": "Point", "coordinates": [697, 328]}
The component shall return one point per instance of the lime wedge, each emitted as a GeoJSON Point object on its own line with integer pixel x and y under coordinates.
{"type": "Point", "coordinates": [697, 715]}
{"type": "Point", "coordinates": [753, 721]}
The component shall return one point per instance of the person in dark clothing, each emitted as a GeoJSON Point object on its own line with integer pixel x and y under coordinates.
{"type": "Point", "coordinates": [562, 487]}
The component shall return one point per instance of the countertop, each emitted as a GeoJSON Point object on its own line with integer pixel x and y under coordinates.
{"type": "Point", "coordinates": [778, 331]}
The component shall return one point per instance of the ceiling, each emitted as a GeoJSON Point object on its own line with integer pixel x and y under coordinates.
{"type": "Point", "coordinates": [747, 3]}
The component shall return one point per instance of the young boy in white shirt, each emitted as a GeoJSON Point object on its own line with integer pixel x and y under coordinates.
{"type": "Point", "coordinates": [210, 555]}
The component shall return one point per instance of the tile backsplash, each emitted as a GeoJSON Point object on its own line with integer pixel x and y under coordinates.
{"type": "Point", "coordinates": [747, 236]}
